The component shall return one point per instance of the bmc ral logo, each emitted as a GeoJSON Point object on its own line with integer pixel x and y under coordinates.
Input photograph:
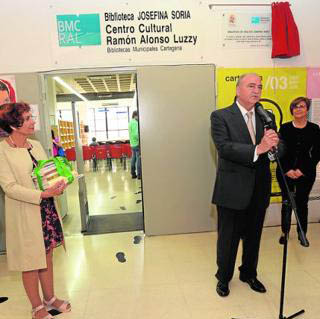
{"type": "Point", "coordinates": [81, 30]}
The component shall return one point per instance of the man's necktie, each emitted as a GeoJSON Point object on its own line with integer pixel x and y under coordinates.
{"type": "Point", "coordinates": [250, 127]}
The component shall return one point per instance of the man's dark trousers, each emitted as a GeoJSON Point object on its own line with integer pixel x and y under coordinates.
{"type": "Point", "coordinates": [234, 225]}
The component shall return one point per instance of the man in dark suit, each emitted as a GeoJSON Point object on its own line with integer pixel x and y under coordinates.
{"type": "Point", "coordinates": [243, 182]}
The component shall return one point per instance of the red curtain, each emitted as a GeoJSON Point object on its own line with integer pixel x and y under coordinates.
{"type": "Point", "coordinates": [285, 34]}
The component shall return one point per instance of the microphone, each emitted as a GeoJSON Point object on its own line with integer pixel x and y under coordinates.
{"type": "Point", "coordinates": [268, 124]}
{"type": "Point", "coordinates": [264, 116]}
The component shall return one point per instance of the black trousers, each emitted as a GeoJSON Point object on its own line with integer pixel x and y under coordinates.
{"type": "Point", "coordinates": [301, 187]}
{"type": "Point", "coordinates": [234, 225]}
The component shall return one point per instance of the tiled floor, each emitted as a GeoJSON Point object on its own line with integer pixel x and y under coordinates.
{"type": "Point", "coordinates": [171, 277]}
{"type": "Point", "coordinates": [109, 192]}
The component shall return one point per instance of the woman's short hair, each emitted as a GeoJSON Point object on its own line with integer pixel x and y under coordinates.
{"type": "Point", "coordinates": [298, 100]}
{"type": "Point", "coordinates": [134, 114]}
{"type": "Point", "coordinates": [11, 115]}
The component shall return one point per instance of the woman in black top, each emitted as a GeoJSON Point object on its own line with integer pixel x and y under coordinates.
{"type": "Point", "coordinates": [302, 141]}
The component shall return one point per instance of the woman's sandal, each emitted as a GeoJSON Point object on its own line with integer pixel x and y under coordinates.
{"type": "Point", "coordinates": [64, 307]}
{"type": "Point", "coordinates": [36, 309]}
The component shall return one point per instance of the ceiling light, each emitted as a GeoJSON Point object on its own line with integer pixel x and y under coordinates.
{"type": "Point", "coordinates": [101, 95]}
{"type": "Point", "coordinates": [70, 88]}
{"type": "Point", "coordinates": [110, 104]}
{"type": "Point", "coordinates": [100, 76]}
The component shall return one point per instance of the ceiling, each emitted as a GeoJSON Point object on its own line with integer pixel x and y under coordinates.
{"type": "Point", "coordinates": [97, 86]}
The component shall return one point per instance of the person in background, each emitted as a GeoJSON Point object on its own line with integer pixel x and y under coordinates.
{"type": "Point", "coordinates": [33, 224]}
{"type": "Point", "coordinates": [302, 141]}
{"type": "Point", "coordinates": [56, 145]}
{"type": "Point", "coordinates": [94, 142]}
{"type": "Point", "coordinates": [134, 143]}
{"type": "Point", "coordinates": [243, 183]}
{"type": "Point", "coordinates": [94, 158]}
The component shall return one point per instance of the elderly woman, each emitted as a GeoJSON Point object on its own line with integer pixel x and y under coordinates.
{"type": "Point", "coordinates": [302, 140]}
{"type": "Point", "coordinates": [33, 225]}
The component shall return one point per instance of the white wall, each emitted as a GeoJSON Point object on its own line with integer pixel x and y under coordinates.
{"type": "Point", "coordinates": [26, 35]}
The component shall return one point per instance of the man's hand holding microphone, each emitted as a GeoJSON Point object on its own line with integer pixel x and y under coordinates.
{"type": "Point", "coordinates": [270, 138]}
{"type": "Point", "coordinates": [269, 141]}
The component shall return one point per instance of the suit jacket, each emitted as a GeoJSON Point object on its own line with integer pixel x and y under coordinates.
{"type": "Point", "coordinates": [24, 235]}
{"type": "Point", "coordinates": [237, 174]}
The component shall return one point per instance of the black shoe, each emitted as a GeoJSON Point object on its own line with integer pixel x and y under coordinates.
{"type": "Point", "coordinates": [222, 289]}
{"type": "Point", "coordinates": [139, 177]}
{"type": "Point", "coordinates": [3, 299]}
{"type": "Point", "coordinates": [254, 284]}
{"type": "Point", "coordinates": [134, 176]}
{"type": "Point", "coordinates": [304, 244]}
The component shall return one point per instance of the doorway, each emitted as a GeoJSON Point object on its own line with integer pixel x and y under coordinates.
{"type": "Point", "coordinates": [90, 113]}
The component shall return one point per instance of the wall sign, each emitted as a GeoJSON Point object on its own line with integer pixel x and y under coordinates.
{"type": "Point", "coordinates": [245, 30]}
{"type": "Point", "coordinates": [78, 30]}
{"type": "Point", "coordinates": [116, 35]}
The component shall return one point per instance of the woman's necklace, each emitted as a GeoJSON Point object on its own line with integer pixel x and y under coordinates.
{"type": "Point", "coordinates": [26, 143]}
{"type": "Point", "coordinates": [300, 125]}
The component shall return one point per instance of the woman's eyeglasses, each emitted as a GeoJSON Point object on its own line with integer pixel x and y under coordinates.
{"type": "Point", "coordinates": [299, 106]}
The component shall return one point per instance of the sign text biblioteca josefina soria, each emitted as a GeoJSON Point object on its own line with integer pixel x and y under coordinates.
{"type": "Point", "coordinates": [148, 31]}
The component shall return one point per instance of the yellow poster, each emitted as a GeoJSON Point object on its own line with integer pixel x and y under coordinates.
{"type": "Point", "coordinates": [280, 87]}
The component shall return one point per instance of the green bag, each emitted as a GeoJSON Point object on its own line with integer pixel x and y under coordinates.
{"type": "Point", "coordinates": [50, 169]}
